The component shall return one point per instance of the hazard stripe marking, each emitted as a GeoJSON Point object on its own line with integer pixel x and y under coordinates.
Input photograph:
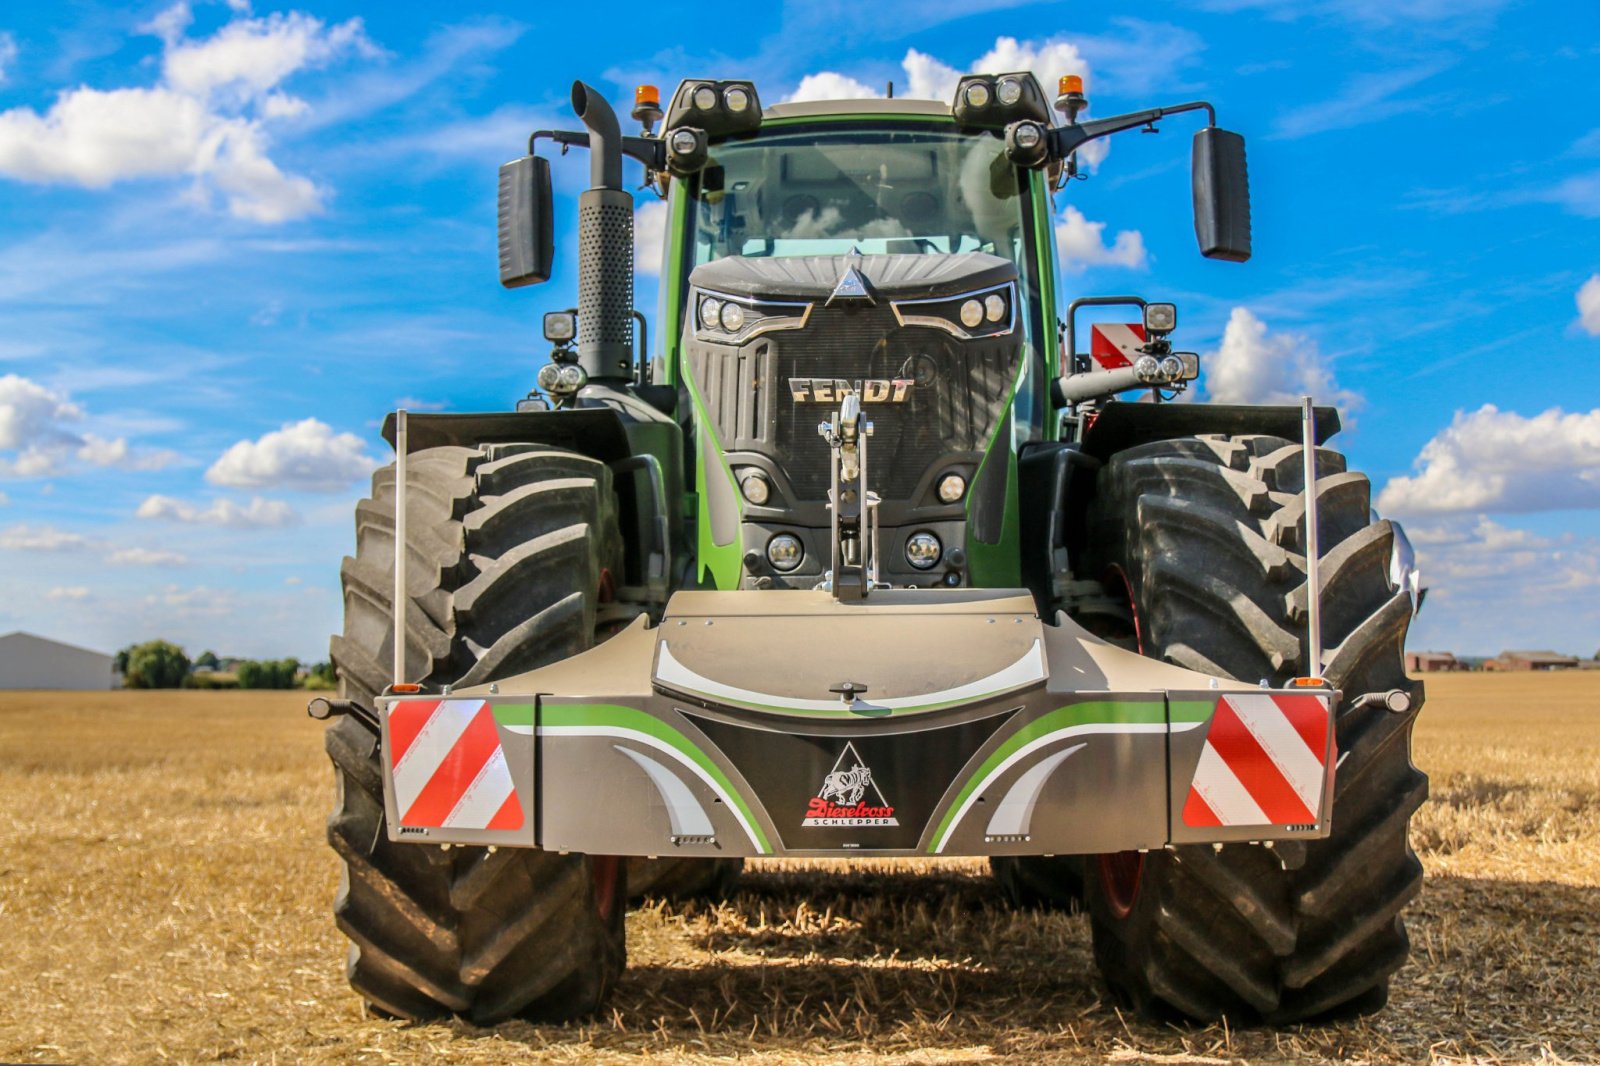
{"type": "Point", "coordinates": [1115, 344]}
{"type": "Point", "coordinates": [405, 722]}
{"type": "Point", "coordinates": [1263, 762]}
{"type": "Point", "coordinates": [449, 769]}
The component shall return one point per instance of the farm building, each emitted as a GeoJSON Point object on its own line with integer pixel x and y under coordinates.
{"type": "Point", "coordinates": [1432, 662]}
{"type": "Point", "coordinates": [1532, 660]}
{"type": "Point", "coordinates": [29, 661]}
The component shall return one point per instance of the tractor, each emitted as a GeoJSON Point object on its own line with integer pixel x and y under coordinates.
{"type": "Point", "coordinates": [868, 559]}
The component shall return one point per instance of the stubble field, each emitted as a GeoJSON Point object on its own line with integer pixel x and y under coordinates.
{"type": "Point", "coordinates": [165, 894]}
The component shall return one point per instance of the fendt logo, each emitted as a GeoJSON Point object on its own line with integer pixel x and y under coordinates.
{"type": "Point", "coordinates": [833, 390]}
{"type": "Point", "coordinates": [842, 799]}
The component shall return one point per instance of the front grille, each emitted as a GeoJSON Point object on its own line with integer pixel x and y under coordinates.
{"type": "Point", "coordinates": [958, 399]}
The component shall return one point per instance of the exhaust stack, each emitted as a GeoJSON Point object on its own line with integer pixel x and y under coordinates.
{"type": "Point", "coordinates": [605, 247]}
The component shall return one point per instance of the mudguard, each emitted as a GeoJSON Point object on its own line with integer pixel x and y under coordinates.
{"type": "Point", "coordinates": [923, 722]}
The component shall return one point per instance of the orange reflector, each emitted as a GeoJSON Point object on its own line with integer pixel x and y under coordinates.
{"type": "Point", "coordinates": [1071, 83]}
{"type": "Point", "coordinates": [406, 688]}
{"type": "Point", "coordinates": [1309, 682]}
{"type": "Point", "coordinates": [647, 94]}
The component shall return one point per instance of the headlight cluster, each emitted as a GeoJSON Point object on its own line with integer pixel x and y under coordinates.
{"type": "Point", "coordinates": [994, 102]}
{"type": "Point", "coordinates": [718, 317]}
{"type": "Point", "coordinates": [985, 313]}
{"type": "Point", "coordinates": [720, 108]}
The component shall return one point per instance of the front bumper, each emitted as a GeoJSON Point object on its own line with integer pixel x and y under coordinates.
{"type": "Point", "coordinates": [981, 731]}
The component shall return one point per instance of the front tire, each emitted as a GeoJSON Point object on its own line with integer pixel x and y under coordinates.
{"type": "Point", "coordinates": [511, 549]}
{"type": "Point", "coordinates": [1206, 535]}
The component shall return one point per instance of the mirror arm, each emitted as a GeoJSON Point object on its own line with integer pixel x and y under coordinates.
{"type": "Point", "coordinates": [1064, 140]}
{"type": "Point", "coordinates": [650, 151]}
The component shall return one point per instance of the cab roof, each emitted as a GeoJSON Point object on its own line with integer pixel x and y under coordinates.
{"type": "Point", "coordinates": [816, 108]}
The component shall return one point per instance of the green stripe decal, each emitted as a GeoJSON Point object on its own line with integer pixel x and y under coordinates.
{"type": "Point", "coordinates": [1148, 712]}
{"type": "Point", "coordinates": [616, 717]}
{"type": "Point", "coordinates": [510, 714]}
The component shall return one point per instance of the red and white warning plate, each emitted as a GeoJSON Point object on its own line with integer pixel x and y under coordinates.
{"type": "Point", "coordinates": [1116, 344]}
{"type": "Point", "coordinates": [1264, 762]}
{"type": "Point", "coordinates": [450, 771]}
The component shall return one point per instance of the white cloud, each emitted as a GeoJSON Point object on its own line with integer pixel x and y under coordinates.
{"type": "Point", "coordinates": [8, 54]}
{"type": "Point", "coordinates": [1081, 244]}
{"type": "Point", "coordinates": [1589, 306]}
{"type": "Point", "coordinates": [649, 236]}
{"type": "Point", "coordinates": [829, 85]}
{"type": "Point", "coordinates": [206, 119]}
{"type": "Point", "coordinates": [32, 424]}
{"type": "Point", "coordinates": [1256, 366]}
{"type": "Point", "coordinates": [72, 592]}
{"type": "Point", "coordinates": [1493, 460]}
{"type": "Point", "coordinates": [305, 455]}
{"type": "Point", "coordinates": [146, 557]}
{"type": "Point", "coordinates": [40, 539]}
{"type": "Point", "coordinates": [259, 513]}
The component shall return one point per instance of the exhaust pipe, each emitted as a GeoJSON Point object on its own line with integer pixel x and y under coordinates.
{"type": "Point", "coordinates": [605, 247]}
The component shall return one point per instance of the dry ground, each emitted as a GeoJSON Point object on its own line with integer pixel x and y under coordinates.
{"type": "Point", "coordinates": [164, 895]}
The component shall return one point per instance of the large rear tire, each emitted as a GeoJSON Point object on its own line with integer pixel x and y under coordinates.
{"type": "Point", "coordinates": [1206, 535]}
{"type": "Point", "coordinates": [511, 548]}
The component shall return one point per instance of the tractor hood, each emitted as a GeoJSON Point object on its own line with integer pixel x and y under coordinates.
{"type": "Point", "coordinates": [818, 276]}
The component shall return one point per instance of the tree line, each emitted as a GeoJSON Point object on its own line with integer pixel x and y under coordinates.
{"type": "Point", "coordinates": [162, 664]}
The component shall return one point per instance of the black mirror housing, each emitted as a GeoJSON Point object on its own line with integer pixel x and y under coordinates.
{"type": "Point", "coordinates": [527, 240]}
{"type": "Point", "coordinates": [1221, 195]}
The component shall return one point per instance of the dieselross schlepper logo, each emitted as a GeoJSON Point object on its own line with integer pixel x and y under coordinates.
{"type": "Point", "coordinates": [842, 799]}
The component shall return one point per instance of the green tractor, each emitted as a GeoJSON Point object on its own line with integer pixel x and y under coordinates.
{"type": "Point", "coordinates": [869, 559]}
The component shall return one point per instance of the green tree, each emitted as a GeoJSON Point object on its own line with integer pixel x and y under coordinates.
{"type": "Point", "coordinates": [322, 676]}
{"type": "Point", "coordinates": [154, 664]}
{"type": "Point", "coordinates": [207, 660]}
{"type": "Point", "coordinates": [268, 673]}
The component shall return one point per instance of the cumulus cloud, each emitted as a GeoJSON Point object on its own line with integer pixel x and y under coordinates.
{"type": "Point", "coordinates": [1254, 365]}
{"type": "Point", "coordinates": [1499, 461]}
{"type": "Point", "coordinates": [206, 118]}
{"type": "Point", "coordinates": [650, 236]}
{"type": "Point", "coordinates": [40, 539]}
{"type": "Point", "coordinates": [259, 513]}
{"type": "Point", "coordinates": [1589, 306]}
{"type": "Point", "coordinates": [829, 85]}
{"type": "Point", "coordinates": [146, 557]}
{"type": "Point", "coordinates": [306, 455]}
{"type": "Point", "coordinates": [1081, 244]}
{"type": "Point", "coordinates": [69, 592]}
{"type": "Point", "coordinates": [34, 424]}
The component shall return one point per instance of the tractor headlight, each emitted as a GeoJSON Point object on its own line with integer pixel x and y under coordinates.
{"type": "Point", "coordinates": [732, 317]}
{"type": "Point", "coordinates": [1160, 318]}
{"type": "Point", "coordinates": [736, 99]}
{"type": "Point", "coordinates": [993, 102]}
{"type": "Point", "coordinates": [550, 377]}
{"type": "Point", "coordinates": [923, 550]}
{"type": "Point", "coordinates": [952, 487]}
{"type": "Point", "coordinates": [785, 551]}
{"type": "Point", "coordinates": [710, 313]}
{"type": "Point", "coordinates": [756, 489]}
{"type": "Point", "coordinates": [1009, 91]}
{"type": "Point", "coordinates": [705, 98]}
{"type": "Point", "coordinates": [572, 378]}
{"type": "Point", "coordinates": [970, 315]}
{"type": "Point", "coordinates": [978, 94]}
{"type": "Point", "coordinates": [725, 318]}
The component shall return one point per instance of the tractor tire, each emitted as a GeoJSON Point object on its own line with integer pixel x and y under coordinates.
{"type": "Point", "coordinates": [1041, 882]}
{"type": "Point", "coordinates": [679, 880]}
{"type": "Point", "coordinates": [511, 548]}
{"type": "Point", "coordinates": [1206, 536]}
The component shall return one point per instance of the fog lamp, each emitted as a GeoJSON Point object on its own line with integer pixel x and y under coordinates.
{"type": "Point", "coordinates": [756, 489]}
{"type": "Point", "coordinates": [971, 313]}
{"type": "Point", "coordinates": [784, 552]}
{"type": "Point", "coordinates": [923, 550]}
{"type": "Point", "coordinates": [952, 487]}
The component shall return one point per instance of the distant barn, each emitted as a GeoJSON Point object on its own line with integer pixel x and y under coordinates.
{"type": "Point", "coordinates": [1532, 660]}
{"type": "Point", "coordinates": [1432, 662]}
{"type": "Point", "coordinates": [29, 661]}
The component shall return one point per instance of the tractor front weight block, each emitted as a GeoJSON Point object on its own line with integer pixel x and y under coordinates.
{"type": "Point", "coordinates": [918, 722]}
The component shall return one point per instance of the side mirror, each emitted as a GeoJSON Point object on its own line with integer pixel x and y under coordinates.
{"type": "Point", "coordinates": [1221, 195]}
{"type": "Point", "coordinates": [527, 243]}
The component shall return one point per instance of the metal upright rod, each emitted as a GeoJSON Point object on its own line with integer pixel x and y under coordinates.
{"type": "Point", "coordinates": [400, 597]}
{"type": "Point", "coordinates": [1308, 431]}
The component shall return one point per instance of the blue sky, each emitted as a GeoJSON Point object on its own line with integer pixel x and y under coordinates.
{"type": "Point", "coordinates": [233, 236]}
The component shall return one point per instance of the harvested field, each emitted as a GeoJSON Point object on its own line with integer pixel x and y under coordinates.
{"type": "Point", "coordinates": [165, 893]}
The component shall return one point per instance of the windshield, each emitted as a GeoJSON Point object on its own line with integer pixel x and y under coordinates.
{"type": "Point", "coordinates": [878, 190]}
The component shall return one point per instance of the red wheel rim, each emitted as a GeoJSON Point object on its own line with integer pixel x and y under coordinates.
{"type": "Point", "coordinates": [1120, 875]}
{"type": "Point", "coordinates": [604, 870]}
{"type": "Point", "coordinates": [1133, 608]}
{"type": "Point", "coordinates": [606, 591]}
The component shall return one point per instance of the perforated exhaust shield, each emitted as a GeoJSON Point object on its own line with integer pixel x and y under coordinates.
{"type": "Point", "coordinates": [605, 283]}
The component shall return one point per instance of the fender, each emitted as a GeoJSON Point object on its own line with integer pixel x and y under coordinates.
{"type": "Point", "coordinates": [1120, 426]}
{"type": "Point", "coordinates": [597, 432]}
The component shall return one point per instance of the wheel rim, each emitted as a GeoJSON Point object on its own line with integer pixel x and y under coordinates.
{"type": "Point", "coordinates": [1120, 876]}
{"type": "Point", "coordinates": [1133, 608]}
{"type": "Point", "coordinates": [604, 872]}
